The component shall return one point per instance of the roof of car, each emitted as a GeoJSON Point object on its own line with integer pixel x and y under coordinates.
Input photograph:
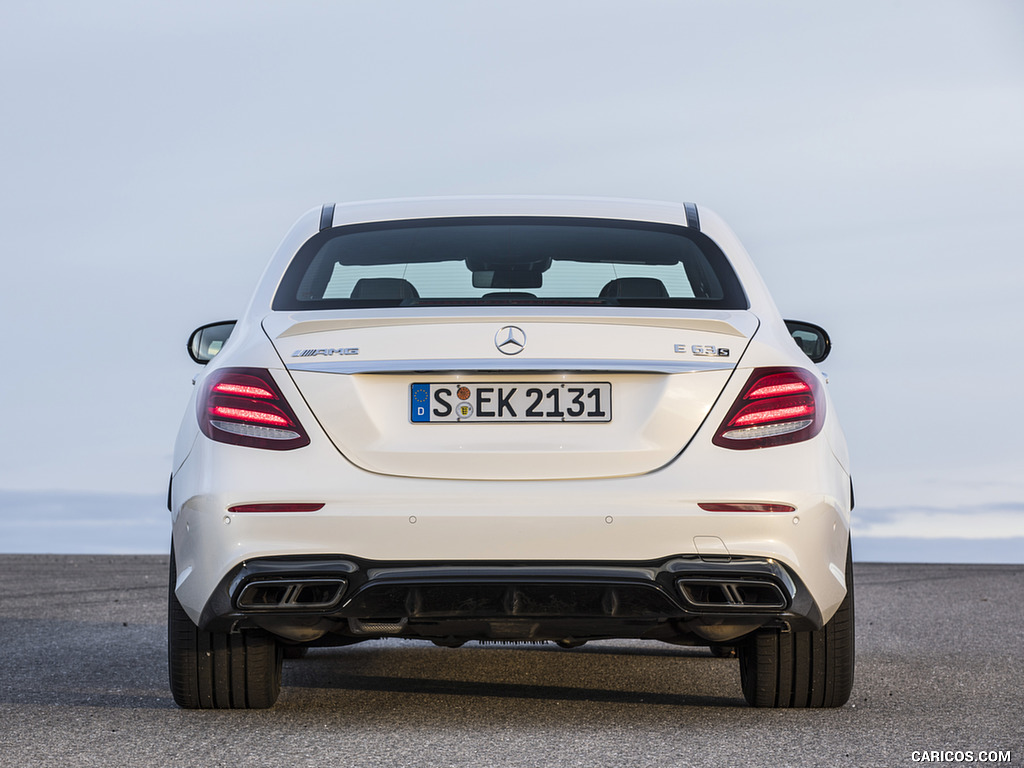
{"type": "Point", "coordinates": [514, 205]}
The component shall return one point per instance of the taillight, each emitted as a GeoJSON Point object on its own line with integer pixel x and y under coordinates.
{"type": "Point", "coordinates": [243, 406]}
{"type": "Point", "coordinates": [777, 406]}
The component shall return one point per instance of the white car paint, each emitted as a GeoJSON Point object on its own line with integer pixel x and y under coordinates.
{"type": "Point", "coordinates": [624, 492]}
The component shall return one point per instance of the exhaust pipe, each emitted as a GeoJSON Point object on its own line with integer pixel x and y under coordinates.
{"type": "Point", "coordinates": [291, 594]}
{"type": "Point", "coordinates": [747, 593]}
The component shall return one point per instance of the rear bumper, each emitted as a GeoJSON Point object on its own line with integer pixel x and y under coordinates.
{"type": "Point", "coordinates": [677, 598]}
{"type": "Point", "coordinates": [376, 523]}
{"type": "Point", "coordinates": [615, 541]}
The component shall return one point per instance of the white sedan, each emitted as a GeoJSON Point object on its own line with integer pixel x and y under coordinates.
{"type": "Point", "coordinates": [510, 419]}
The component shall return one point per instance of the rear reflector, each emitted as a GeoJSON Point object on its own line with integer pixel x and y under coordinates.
{"type": "Point", "coordinates": [276, 507]}
{"type": "Point", "coordinates": [745, 507]}
{"type": "Point", "coordinates": [244, 406]}
{"type": "Point", "coordinates": [777, 406]}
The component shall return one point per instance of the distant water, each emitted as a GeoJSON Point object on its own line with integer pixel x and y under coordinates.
{"type": "Point", "coordinates": [82, 523]}
{"type": "Point", "coordinates": [992, 533]}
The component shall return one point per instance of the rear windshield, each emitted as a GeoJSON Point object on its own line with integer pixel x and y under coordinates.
{"type": "Point", "coordinates": [509, 260]}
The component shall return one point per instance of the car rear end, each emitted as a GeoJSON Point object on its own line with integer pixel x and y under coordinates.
{"type": "Point", "coordinates": [514, 419]}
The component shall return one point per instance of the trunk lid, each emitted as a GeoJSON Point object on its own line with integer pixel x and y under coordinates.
{"type": "Point", "coordinates": [551, 395]}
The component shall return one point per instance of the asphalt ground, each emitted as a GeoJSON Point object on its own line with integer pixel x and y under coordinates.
{"type": "Point", "coordinates": [83, 682]}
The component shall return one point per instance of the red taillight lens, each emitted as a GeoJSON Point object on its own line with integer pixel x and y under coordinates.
{"type": "Point", "coordinates": [245, 414]}
{"type": "Point", "coordinates": [243, 406]}
{"type": "Point", "coordinates": [250, 389]}
{"type": "Point", "coordinates": [777, 406]}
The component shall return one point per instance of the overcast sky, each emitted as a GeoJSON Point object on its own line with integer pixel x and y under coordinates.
{"type": "Point", "coordinates": [869, 155]}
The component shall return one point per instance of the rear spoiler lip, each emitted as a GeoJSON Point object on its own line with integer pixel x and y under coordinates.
{"type": "Point", "coordinates": [740, 324]}
{"type": "Point", "coordinates": [517, 366]}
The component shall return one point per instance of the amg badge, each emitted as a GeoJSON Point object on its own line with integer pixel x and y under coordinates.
{"type": "Point", "coordinates": [328, 352]}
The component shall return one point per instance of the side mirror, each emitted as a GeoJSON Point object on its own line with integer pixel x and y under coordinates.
{"type": "Point", "coordinates": [206, 341]}
{"type": "Point", "coordinates": [811, 338]}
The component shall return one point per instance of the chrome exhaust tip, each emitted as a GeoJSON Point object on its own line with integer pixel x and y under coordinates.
{"type": "Point", "coordinates": [291, 594]}
{"type": "Point", "coordinates": [740, 594]}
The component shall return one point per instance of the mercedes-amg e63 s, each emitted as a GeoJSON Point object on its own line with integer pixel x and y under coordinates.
{"type": "Point", "coordinates": [510, 419]}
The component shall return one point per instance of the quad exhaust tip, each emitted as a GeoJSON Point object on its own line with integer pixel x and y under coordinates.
{"type": "Point", "coordinates": [291, 594]}
{"type": "Point", "coordinates": [739, 594]}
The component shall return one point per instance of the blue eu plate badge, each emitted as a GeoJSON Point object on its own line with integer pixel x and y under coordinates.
{"type": "Point", "coordinates": [420, 402]}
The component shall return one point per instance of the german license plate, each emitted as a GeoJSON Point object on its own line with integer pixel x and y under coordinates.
{"type": "Point", "coordinates": [518, 402]}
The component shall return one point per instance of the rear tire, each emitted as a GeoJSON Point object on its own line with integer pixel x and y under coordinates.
{"type": "Point", "coordinates": [802, 669]}
{"type": "Point", "coordinates": [211, 670]}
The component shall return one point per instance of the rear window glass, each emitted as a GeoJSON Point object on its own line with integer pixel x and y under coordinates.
{"type": "Point", "coordinates": [509, 260]}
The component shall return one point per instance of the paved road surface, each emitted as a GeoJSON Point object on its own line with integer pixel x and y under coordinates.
{"type": "Point", "coordinates": [83, 683]}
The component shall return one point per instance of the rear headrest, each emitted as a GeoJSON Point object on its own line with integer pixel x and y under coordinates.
{"type": "Point", "coordinates": [635, 288]}
{"type": "Point", "coordinates": [387, 288]}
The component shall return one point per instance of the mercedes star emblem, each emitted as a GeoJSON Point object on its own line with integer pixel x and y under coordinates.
{"type": "Point", "coordinates": [510, 340]}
